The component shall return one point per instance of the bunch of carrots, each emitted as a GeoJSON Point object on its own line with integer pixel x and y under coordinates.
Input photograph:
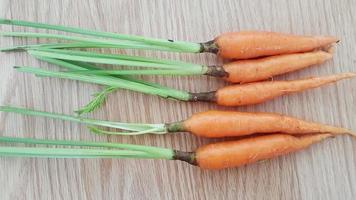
{"type": "Point", "coordinates": [254, 57]}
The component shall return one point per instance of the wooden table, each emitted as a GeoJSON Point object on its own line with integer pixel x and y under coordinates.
{"type": "Point", "coordinates": [324, 171]}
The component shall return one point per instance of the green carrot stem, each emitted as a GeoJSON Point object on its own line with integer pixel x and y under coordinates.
{"type": "Point", "coordinates": [177, 63]}
{"type": "Point", "coordinates": [79, 66]}
{"type": "Point", "coordinates": [36, 152]}
{"type": "Point", "coordinates": [98, 131]}
{"type": "Point", "coordinates": [136, 72]}
{"type": "Point", "coordinates": [100, 97]}
{"type": "Point", "coordinates": [134, 127]}
{"type": "Point", "coordinates": [158, 152]}
{"type": "Point", "coordinates": [185, 46]}
{"type": "Point", "coordinates": [112, 59]}
{"type": "Point", "coordinates": [67, 65]}
{"type": "Point", "coordinates": [56, 46]}
{"type": "Point", "coordinates": [114, 82]}
{"type": "Point", "coordinates": [116, 43]}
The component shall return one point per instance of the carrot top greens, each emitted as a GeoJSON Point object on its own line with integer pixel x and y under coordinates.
{"type": "Point", "coordinates": [112, 81]}
{"type": "Point", "coordinates": [92, 150]}
{"type": "Point", "coordinates": [114, 59]}
{"type": "Point", "coordinates": [115, 40]}
{"type": "Point", "coordinates": [130, 128]}
{"type": "Point", "coordinates": [120, 81]}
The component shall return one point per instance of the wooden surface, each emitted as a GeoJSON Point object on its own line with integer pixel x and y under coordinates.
{"type": "Point", "coordinates": [325, 171]}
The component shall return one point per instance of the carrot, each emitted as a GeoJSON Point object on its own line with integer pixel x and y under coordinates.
{"type": "Point", "coordinates": [235, 95]}
{"type": "Point", "coordinates": [215, 124]}
{"type": "Point", "coordinates": [242, 71]}
{"type": "Point", "coordinates": [211, 124]}
{"type": "Point", "coordinates": [252, 44]}
{"type": "Point", "coordinates": [212, 156]}
{"type": "Point", "coordinates": [236, 153]}
{"type": "Point", "coordinates": [254, 93]}
{"type": "Point", "coordinates": [245, 71]}
{"type": "Point", "coordinates": [235, 45]}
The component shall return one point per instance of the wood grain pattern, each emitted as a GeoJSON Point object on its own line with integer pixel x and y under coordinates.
{"type": "Point", "coordinates": [325, 171]}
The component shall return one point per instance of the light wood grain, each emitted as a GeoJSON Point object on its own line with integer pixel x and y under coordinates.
{"type": "Point", "coordinates": [325, 171]}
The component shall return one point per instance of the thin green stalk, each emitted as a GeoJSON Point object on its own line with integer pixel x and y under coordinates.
{"type": "Point", "coordinates": [112, 59]}
{"type": "Point", "coordinates": [56, 46]}
{"type": "Point", "coordinates": [36, 152]}
{"type": "Point", "coordinates": [156, 151]}
{"type": "Point", "coordinates": [177, 63]}
{"type": "Point", "coordinates": [98, 99]}
{"type": "Point", "coordinates": [79, 66]}
{"type": "Point", "coordinates": [114, 82]}
{"type": "Point", "coordinates": [185, 46]}
{"type": "Point", "coordinates": [116, 43]}
{"type": "Point", "coordinates": [98, 131]}
{"type": "Point", "coordinates": [132, 127]}
{"type": "Point", "coordinates": [137, 72]}
{"type": "Point", "coordinates": [66, 64]}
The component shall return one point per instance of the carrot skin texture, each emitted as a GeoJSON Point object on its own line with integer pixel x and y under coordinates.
{"type": "Point", "coordinates": [241, 152]}
{"type": "Point", "coordinates": [217, 124]}
{"type": "Point", "coordinates": [253, 44]}
{"type": "Point", "coordinates": [246, 71]}
{"type": "Point", "coordinates": [254, 93]}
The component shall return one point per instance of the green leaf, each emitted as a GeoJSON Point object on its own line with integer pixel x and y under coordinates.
{"type": "Point", "coordinates": [181, 45]}
{"type": "Point", "coordinates": [132, 127]}
{"type": "Point", "coordinates": [96, 102]}
{"type": "Point", "coordinates": [154, 152]}
{"type": "Point", "coordinates": [115, 59]}
{"type": "Point", "coordinates": [114, 82]}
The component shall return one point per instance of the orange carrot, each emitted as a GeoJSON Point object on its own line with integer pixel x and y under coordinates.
{"type": "Point", "coordinates": [245, 71]}
{"type": "Point", "coordinates": [254, 93]}
{"type": "Point", "coordinates": [212, 156]}
{"type": "Point", "coordinates": [236, 153]}
{"type": "Point", "coordinates": [215, 124]}
{"type": "Point", "coordinates": [252, 44]}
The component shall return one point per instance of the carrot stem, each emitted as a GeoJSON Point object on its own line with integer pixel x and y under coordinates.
{"type": "Point", "coordinates": [133, 128]}
{"type": "Point", "coordinates": [69, 153]}
{"type": "Point", "coordinates": [136, 72]}
{"type": "Point", "coordinates": [56, 46]}
{"type": "Point", "coordinates": [176, 63]}
{"type": "Point", "coordinates": [115, 82]}
{"type": "Point", "coordinates": [116, 43]}
{"type": "Point", "coordinates": [174, 45]}
{"type": "Point", "coordinates": [165, 67]}
{"type": "Point", "coordinates": [99, 98]}
{"type": "Point", "coordinates": [156, 151]}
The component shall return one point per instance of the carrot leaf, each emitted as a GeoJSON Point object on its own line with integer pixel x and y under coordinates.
{"type": "Point", "coordinates": [96, 102]}
{"type": "Point", "coordinates": [181, 45]}
{"type": "Point", "coordinates": [112, 81]}
{"type": "Point", "coordinates": [125, 149]}
{"type": "Point", "coordinates": [115, 43]}
{"type": "Point", "coordinates": [98, 131]}
{"type": "Point", "coordinates": [135, 128]}
{"type": "Point", "coordinates": [115, 59]}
